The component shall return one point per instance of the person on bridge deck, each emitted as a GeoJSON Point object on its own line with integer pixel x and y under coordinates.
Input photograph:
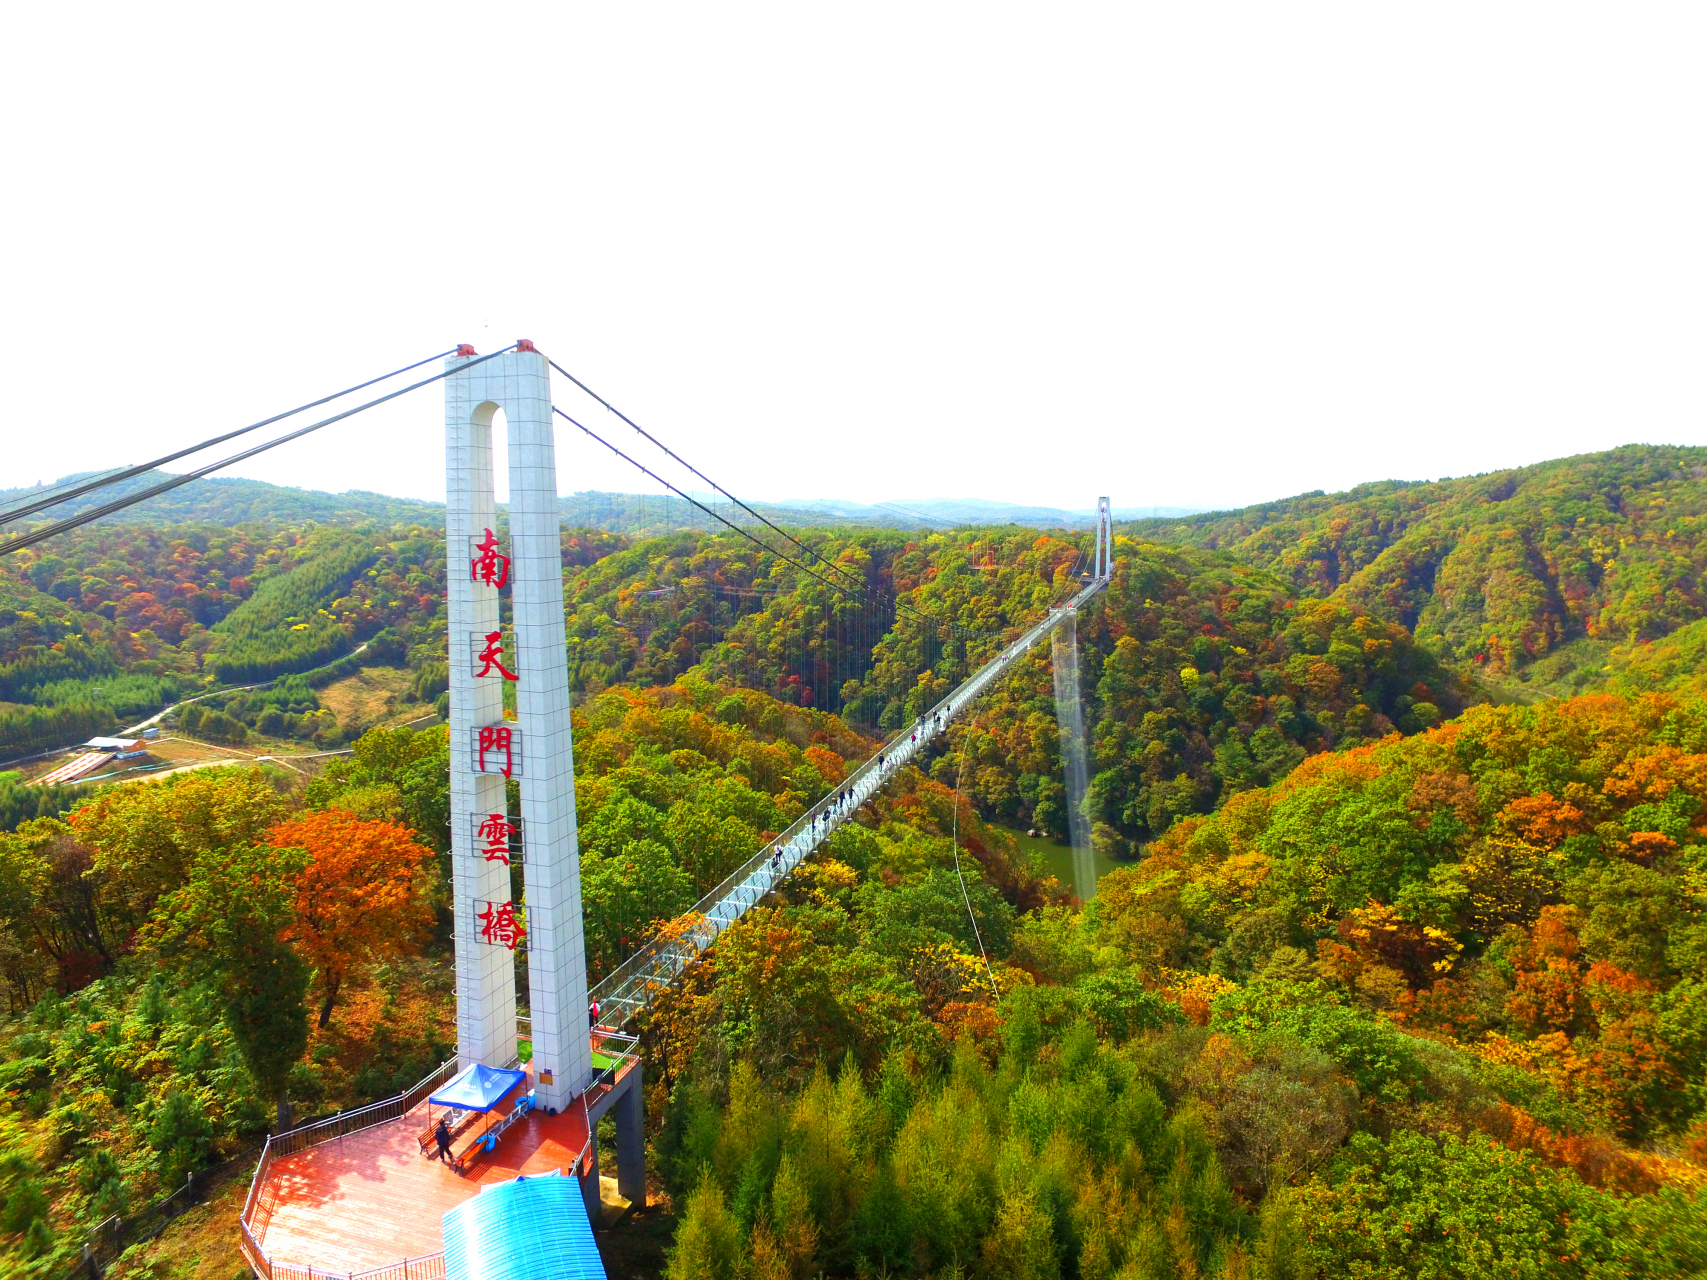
{"type": "Point", "coordinates": [441, 1135]}
{"type": "Point", "coordinates": [593, 1015]}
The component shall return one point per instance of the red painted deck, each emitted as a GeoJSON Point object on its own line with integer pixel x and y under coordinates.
{"type": "Point", "coordinates": [372, 1198]}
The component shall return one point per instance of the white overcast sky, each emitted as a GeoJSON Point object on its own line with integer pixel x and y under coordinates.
{"type": "Point", "coordinates": [1180, 254]}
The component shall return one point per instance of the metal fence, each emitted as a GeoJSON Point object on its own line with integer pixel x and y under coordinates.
{"type": "Point", "coordinates": [112, 1237]}
{"type": "Point", "coordinates": [258, 1207]}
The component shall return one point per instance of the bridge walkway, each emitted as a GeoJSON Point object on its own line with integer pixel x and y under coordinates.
{"type": "Point", "coordinates": [628, 989]}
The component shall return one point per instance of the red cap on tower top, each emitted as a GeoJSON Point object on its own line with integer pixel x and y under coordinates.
{"type": "Point", "coordinates": [524, 344]}
{"type": "Point", "coordinates": [464, 349]}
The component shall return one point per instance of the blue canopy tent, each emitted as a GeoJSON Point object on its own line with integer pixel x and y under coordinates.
{"type": "Point", "coordinates": [528, 1229]}
{"type": "Point", "coordinates": [477, 1090]}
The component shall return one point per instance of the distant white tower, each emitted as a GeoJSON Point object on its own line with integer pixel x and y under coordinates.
{"type": "Point", "coordinates": [1105, 538]}
{"type": "Point", "coordinates": [535, 749]}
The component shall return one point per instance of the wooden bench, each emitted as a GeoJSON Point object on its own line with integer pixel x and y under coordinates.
{"type": "Point", "coordinates": [430, 1144]}
{"type": "Point", "coordinates": [479, 1145]}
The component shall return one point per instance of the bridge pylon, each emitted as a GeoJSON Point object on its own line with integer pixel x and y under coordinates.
{"type": "Point", "coordinates": [1105, 540]}
{"type": "Point", "coordinates": [534, 749]}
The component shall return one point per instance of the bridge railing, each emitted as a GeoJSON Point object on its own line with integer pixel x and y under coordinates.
{"type": "Point", "coordinates": [637, 981]}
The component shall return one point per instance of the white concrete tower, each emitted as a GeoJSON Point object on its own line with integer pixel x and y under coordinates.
{"type": "Point", "coordinates": [485, 974]}
{"type": "Point", "coordinates": [536, 748]}
{"type": "Point", "coordinates": [1105, 538]}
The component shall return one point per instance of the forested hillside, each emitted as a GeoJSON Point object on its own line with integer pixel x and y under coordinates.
{"type": "Point", "coordinates": [1500, 570]}
{"type": "Point", "coordinates": [1390, 980]}
{"type": "Point", "coordinates": [1204, 677]}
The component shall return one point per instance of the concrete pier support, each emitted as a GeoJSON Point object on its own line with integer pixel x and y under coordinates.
{"type": "Point", "coordinates": [630, 1113]}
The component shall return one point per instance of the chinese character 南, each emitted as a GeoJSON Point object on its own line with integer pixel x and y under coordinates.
{"type": "Point", "coordinates": [496, 738]}
{"type": "Point", "coordinates": [489, 565]}
{"type": "Point", "coordinates": [495, 832]}
{"type": "Point", "coordinates": [498, 925]}
{"type": "Point", "coordinates": [492, 657]}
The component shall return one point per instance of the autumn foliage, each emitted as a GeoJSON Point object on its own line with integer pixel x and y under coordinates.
{"type": "Point", "coordinates": [360, 898]}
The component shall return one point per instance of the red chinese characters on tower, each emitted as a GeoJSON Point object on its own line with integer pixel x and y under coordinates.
{"type": "Point", "coordinates": [488, 565]}
{"type": "Point", "coordinates": [500, 926]}
{"type": "Point", "coordinates": [498, 749]}
{"type": "Point", "coordinates": [490, 657]}
{"type": "Point", "coordinates": [494, 832]}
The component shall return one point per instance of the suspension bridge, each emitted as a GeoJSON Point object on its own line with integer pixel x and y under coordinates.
{"type": "Point", "coordinates": [356, 1196]}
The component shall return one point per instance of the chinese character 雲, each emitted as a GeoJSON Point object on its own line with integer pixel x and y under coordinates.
{"type": "Point", "coordinates": [499, 925]}
{"type": "Point", "coordinates": [492, 658]}
{"type": "Point", "coordinates": [494, 832]}
{"type": "Point", "coordinates": [489, 565]}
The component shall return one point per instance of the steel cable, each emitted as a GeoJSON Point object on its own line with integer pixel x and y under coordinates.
{"type": "Point", "coordinates": [119, 504]}
{"type": "Point", "coordinates": [129, 472]}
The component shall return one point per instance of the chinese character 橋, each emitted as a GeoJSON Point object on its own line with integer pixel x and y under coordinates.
{"type": "Point", "coordinates": [496, 738]}
{"type": "Point", "coordinates": [489, 565]}
{"type": "Point", "coordinates": [499, 926]}
{"type": "Point", "coordinates": [494, 832]}
{"type": "Point", "coordinates": [492, 658]}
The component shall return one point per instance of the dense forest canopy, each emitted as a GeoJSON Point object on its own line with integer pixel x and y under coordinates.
{"type": "Point", "coordinates": [1501, 569]}
{"type": "Point", "coordinates": [1402, 970]}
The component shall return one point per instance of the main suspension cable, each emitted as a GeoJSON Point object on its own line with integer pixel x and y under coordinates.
{"type": "Point", "coordinates": [696, 471]}
{"type": "Point", "coordinates": [119, 504]}
{"type": "Point", "coordinates": [646, 471]}
{"type": "Point", "coordinates": [141, 467]}
{"type": "Point", "coordinates": [102, 477]}
{"type": "Point", "coordinates": [880, 600]}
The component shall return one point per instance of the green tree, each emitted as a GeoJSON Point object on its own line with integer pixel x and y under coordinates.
{"type": "Point", "coordinates": [224, 925]}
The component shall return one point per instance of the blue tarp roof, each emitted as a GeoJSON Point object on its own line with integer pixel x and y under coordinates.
{"type": "Point", "coordinates": [479, 1088]}
{"type": "Point", "coordinates": [529, 1229]}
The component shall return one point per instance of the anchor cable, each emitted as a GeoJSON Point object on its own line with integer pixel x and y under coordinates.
{"type": "Point", "coordinates": [23, 540]}
{"type": "Point", "coordinates": [129, 472]}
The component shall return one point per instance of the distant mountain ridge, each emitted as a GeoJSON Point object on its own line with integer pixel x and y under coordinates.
{"type": "Point", "coordinates": [961, 511]}
{"type": "Point", "coordinates": [235, 501]}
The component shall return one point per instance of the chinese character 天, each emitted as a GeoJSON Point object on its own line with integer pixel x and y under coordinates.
{"type": "Point", "coordinates": [491, 658]}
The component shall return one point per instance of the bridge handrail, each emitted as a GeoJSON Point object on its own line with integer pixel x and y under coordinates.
{"type": "Point", "coordinates": [311, 1135]}
{"type": "Point", "coordinates": [658, 962]}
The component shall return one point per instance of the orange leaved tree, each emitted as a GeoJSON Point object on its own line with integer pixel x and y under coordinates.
{"type": "Point", "coordinates": [360, 898]}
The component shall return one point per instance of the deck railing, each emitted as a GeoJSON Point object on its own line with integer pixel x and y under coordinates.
{"type": "Point", "coordinates": [258, 1207]}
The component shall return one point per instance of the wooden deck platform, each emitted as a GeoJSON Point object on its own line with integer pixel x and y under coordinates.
{"type": "Point", "coordinates": [371, 1198]}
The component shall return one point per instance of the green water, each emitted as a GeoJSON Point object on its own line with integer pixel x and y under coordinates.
{"type": "Point", "coordinates": [1057, 859]}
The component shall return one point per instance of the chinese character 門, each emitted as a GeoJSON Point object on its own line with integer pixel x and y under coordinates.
{"type": "Point", "coordinates": [496, 738]}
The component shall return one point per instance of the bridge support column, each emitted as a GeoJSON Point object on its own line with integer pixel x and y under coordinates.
{"type": "Point", "coordinates": [630, 1114]}
{"type": "Point", "coordinates": [590, 1194]}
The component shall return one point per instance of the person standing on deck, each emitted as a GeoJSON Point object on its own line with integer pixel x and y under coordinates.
{"type": "Point", "coordinates": [441, 1135]}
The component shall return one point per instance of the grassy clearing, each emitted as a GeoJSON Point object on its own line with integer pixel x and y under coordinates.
{"type": "Point", "coordinates": [372, 696]}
